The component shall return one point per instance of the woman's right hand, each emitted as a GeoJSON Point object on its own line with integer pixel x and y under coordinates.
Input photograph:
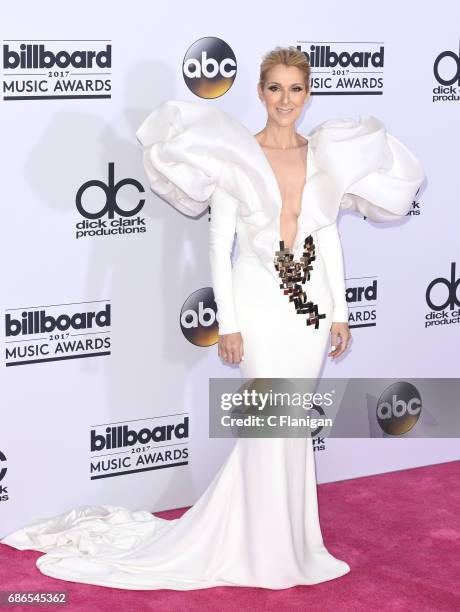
{"type": "Point", "coordinates": [230, 347]}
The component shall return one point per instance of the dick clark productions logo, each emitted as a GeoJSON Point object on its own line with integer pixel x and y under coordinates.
{"type": "Point", "coordinates": [118, 219]}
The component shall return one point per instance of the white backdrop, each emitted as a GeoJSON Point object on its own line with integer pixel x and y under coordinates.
{"type": "Point", "coordinates": [136, 368]}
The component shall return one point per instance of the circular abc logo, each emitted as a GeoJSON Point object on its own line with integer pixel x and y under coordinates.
{"type": "Point", "coordinates": [198, 318]}
{"type": "Point", "coordinates": [209, 67]}
{"type": "Point", "coordinates": [399, 408]}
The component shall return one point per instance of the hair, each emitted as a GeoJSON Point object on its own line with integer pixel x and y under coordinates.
{"type": "Point", "coordinates": [288, 56]}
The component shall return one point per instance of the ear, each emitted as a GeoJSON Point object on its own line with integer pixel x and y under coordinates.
{"type": "Point", "coordinates": [260, 92]}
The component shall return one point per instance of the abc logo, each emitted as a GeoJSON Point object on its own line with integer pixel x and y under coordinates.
{"type": "Point", "coordinates": [399, 408]}
{"type": "Point", "coordinates": [198, 319]}
{"type": "Point", "coordinates": [110, 191]}
{"type": "Point", "coordinates": [451, 286]}
{"type": "Point", "coordinates": [209, 67]}
{"type": "Point", "coordinates": [446, 68]}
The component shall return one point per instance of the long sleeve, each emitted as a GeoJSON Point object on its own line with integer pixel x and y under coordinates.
{"type": "Point", "coordinates": [330, 249]}
{"type": "Point", "coordinates": [221, 236]}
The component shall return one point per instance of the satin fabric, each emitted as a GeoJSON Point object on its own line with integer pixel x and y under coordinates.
{"type": "Point", "coordinates": [257, 523]}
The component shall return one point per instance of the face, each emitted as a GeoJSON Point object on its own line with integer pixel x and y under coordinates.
{"type": "Point", "coordinates": [284, 94]}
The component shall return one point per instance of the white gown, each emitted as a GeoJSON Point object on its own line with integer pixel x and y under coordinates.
{"type": "Point", "coordinates": [257, 523]}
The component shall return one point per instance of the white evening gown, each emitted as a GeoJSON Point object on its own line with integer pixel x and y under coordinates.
{"type": "Point", "coordinates": [257, 522]}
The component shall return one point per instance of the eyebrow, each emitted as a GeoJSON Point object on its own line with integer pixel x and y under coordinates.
{"type": "Point", "coordinates": [276, 83]}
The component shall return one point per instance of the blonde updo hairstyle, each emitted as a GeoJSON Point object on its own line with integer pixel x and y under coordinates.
{"type": "Point", "coordinates": [288, 56]}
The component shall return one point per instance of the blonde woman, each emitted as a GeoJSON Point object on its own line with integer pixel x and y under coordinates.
{"type": "Point", "coordinates": [279, 307]}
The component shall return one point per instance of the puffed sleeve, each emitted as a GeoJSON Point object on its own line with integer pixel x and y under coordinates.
{"type": "Point", "coordinates": [222, 228]}
{"type": "Point", "coordinates": [330, 249]}
{"type": "Point", "coordinates": [377, 175]}
{"type": "Point", "coordinates": [179, 141]}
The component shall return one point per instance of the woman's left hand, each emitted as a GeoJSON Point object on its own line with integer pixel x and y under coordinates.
{"type": "Point", "coordinates": [340, 338]}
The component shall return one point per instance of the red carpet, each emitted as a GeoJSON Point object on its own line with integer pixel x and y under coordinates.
{"type": "Point", "coordinates": [399, 532]}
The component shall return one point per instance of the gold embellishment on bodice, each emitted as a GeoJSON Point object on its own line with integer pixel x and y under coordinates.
{"type": "Point", "coordinates": [293, 274]}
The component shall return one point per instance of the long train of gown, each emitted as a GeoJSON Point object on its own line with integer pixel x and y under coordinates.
{"type": "Point", "coordinates": [255, 525]}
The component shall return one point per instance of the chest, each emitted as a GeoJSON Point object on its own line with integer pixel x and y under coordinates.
{"type": "Point", "coordinates": [290, 170]}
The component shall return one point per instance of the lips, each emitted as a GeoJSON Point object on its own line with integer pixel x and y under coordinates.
{"type": "Point", "coordinates": [285, 111]}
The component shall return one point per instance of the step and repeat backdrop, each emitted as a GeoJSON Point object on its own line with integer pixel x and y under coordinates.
{"type": "Point", "coordinates": [109, 327]}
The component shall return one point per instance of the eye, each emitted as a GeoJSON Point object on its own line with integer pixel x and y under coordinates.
{"type": "Point", "coordinates": [273, 87]}
{"type": "Point", "coordinates": [297, 88]}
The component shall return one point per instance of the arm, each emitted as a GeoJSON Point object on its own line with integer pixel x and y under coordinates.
{"type": "Point", "coordinates": [330, 249]}
{"type": "Point", "coordinates": [221, 235]}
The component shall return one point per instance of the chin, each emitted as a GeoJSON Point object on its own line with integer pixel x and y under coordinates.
{"type": "Point", "coordinates": [284, 119]}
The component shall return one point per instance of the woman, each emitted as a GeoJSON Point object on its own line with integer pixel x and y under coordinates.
{"type": "Point", "coordinates": [257, 523]}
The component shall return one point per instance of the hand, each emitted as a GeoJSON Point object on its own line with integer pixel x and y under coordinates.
{"type": "Point", "coordinates": [342, 331]}
{"type": "Point", "coordinates": [230, 347]}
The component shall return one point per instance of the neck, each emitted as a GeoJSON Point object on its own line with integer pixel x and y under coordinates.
{"type": "Point", "coordinates": [279, 136]}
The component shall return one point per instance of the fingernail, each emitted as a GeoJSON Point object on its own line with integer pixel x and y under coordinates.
{"type": "Point", "coordinates": [333, 348]}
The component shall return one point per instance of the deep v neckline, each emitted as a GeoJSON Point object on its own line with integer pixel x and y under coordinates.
{"type": "Point", "coordinates": [272, 173]}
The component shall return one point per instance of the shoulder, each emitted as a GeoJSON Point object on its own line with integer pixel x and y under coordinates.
{"type": "Point", "coordinates": [349, 147]}
{"type": "Point", "coordinates": [350, 134]}
{"type": "Point", "coordinates": [195, 128]}
{"type": "Point", "coordinates": [337, 126]}
{"type": "Point", "coordinates": [375, 173]}
{"type": "Point", "coordinates": [188, 147]}
{"type": "Point", "coordinates": [172, 118]}
{"type": "Point", "coordinates": [361, 144]}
